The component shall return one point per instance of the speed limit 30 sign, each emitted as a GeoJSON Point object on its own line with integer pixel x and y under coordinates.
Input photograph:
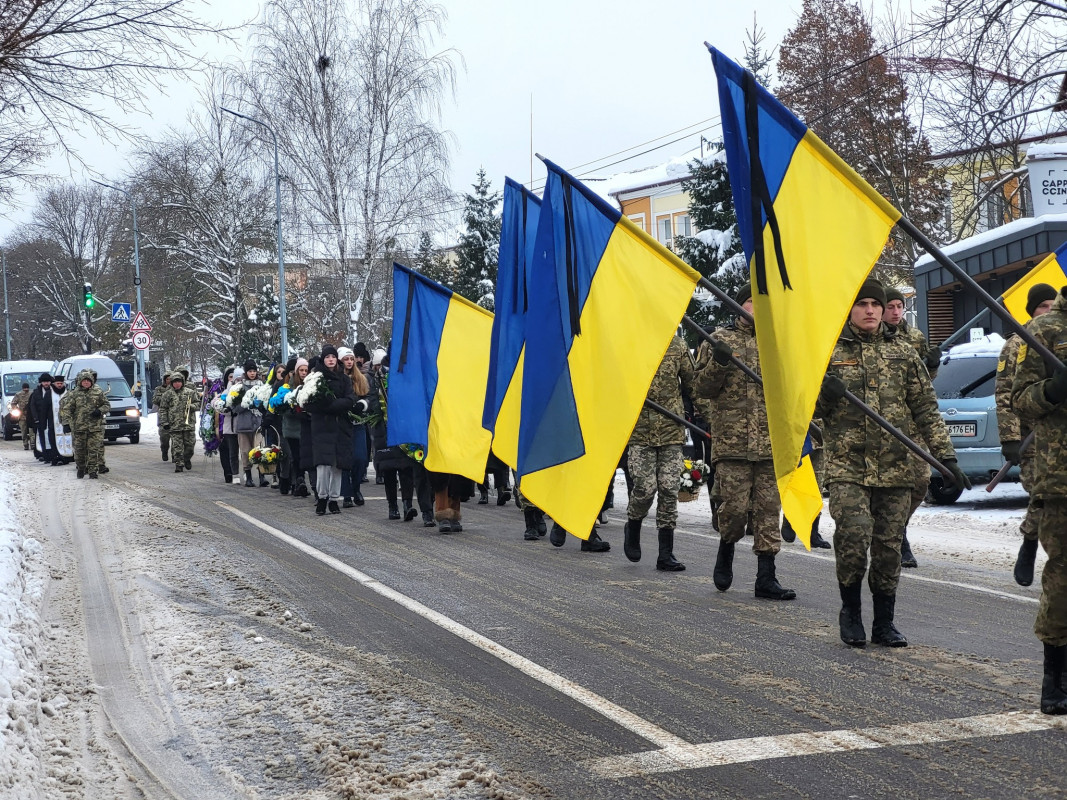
{"type": "Point", "coordinates": [142, 340]}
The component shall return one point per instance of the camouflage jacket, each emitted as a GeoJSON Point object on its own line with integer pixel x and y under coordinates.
{"type": "Point", "coordinates": [1028, 399]}
{"type": "Point", "coordinates": [21, 400]}
{"type": "Point", "coordinates": [915, 338]}
{"type": "Point", "coordinates": [1010, 426]}
{"type": "Point", "coordinates": [179, 409]}
{"type": "Point", "coordinates": [737, 412]}
{"type": "Point", "coordinates": [78, 404]}
{"type": "Point", "coordinates": [157, 395]}
{"type": "Point", "coordinates": [675, 375]}
{"type": "Point", "coordinates": [883, 370]}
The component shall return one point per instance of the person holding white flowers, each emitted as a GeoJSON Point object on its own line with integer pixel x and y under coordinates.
{"type": "Point", "coordinates": [246, 418]}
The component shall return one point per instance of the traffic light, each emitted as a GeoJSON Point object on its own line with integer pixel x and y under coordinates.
{"type": "Point", "coordinates": [89, 300]}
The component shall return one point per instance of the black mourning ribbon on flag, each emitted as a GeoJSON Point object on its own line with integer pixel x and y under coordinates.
{"type": "Point", "coordinates": [761, 195]}
{"type": "Point", "coordinates": [407, 324]}
{"type": "Point", "coordinates": [574, 311]}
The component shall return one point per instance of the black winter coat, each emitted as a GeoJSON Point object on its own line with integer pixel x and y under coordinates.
{"type": "Point", "coordinates": [331, 428]}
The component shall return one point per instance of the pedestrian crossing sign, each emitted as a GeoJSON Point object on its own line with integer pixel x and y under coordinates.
{"type": "Point", "coordinates": [120, 312]}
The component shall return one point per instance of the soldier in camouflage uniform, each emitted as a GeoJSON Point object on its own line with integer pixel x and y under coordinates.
{"type": "Point", "coordinates": [741, 447]}
{"type": "Point", "coordinates": [178, 413]}
{"type": "Point", "coordinates": [655, 458]}
{"type": "Point", "coordinates": [1012, 431]}
{"type": "Point", "coordinates": [157, 399]}
{"type": "Point", "coordinates": [21, 401]}
{"type": "Point", "coordinates": [931, 358]}
{"type": "Point", "coordinates": [82, 414]}
{"type": "Point", "coordinates": [1039, 397]}
{"type": "Point", "coordinates": [869, 473]}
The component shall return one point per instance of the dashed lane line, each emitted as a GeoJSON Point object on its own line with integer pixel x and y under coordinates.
{"type": "Point", "coordinates": [620, 716]}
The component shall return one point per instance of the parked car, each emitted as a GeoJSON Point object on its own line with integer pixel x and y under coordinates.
{"type": "Point", "coordinates": [12, 375]}
{"type": "Point", "coordinates": [964, 385]}
{"type": "Point", "coordinates": [124, 418]}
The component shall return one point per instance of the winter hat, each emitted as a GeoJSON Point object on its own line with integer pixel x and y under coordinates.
{"type": "Point", "coordinates": [300, 362]}
{"type": "Point", "coordinates": [361, 351]}
{"type": "Point", "coordinates": [166, 376]}
{"type": "Point", "coordinates": [892, 294]}
{"type": "Point", "coordinates": [1038, 294]}
{"type": "Point", "coordinates": [45, 378]}
{"type": "Point", "coordinates": [379, 354]}
{"type": "Point", "coordinates": [345, 351]}
{"type": "Point", "coordinates": [238, 374]}
{"type": "Point", "coordinates": [226, 375]}
{"type": "Point", "coordinates": [743, 293]}
{"type": "Point", "coordinates": [290, 365]}
{"type": "Point", "coordinates": [177, 376]}
{"type": "Point", "coordinates": [250, 365]}
{"type": "Point", "coordinates": [872, 289]}
{"type": "Point", "coordinates": [328, 350]}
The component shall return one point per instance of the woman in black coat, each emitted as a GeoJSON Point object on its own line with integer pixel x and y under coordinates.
{"type": "Point", "coordinates": [331, 432]}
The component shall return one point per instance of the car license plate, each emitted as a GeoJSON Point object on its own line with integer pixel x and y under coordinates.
{"type": "Point", "coordinates": [963, 429]}
{"type": "Point", "coordinates": [112, 427]}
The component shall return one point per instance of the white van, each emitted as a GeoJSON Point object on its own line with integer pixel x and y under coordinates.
{"type": "Point", "coordinates": [12, 375]}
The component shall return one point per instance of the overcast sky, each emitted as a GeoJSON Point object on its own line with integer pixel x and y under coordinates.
{"type": "Point", "coordinates": [604, 77]}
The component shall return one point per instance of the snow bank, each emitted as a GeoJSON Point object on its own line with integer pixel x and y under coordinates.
{"type": "Point", "coordinates": [990, 344]}
{"type": "Point", "coordinates": [21, 588]}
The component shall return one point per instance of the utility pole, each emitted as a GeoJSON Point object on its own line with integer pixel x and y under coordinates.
{"type": "Point", "coordinates": [7, 314]}
{"type": "Point", "coordinates": [278, 227]}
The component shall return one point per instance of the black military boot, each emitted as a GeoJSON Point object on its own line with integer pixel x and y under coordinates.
{"type": "Point", "coordinates": [1024, 563]}
{"type": "Point", "coordinates": [542, 526]}
{"type": "Point", "coordinates": [631, 539]}
{"type": "Point", "coordinates": [666, 562]}
{"type": "Point", "coordinates": [724, 566]}
{"type": "Point", "coordinates": [178, 468]}
{"type": "Point", "coordinates": [248, 478]}
{"type": "Point", "coordinates": [816, 537]}
{"type": "Point", "coordinates": [483, 494]}
{"type": "Point", "coordinates": [332, 507]}
{"type": "Point", "coordinates": [409, 511]}
{"type": "Point", "coordinates": [530, 515]}
{"type": "Point", "coordinates": [188, 463]}
{"type": "Point", "coordinates": [907, 558]}
{"type": "Point", "coordinates": [850, 619]}
{"type": "Point", "coordinates": [1053, 688]}
{"type": "Point", "coordinates": [394, 511]}
{"type": "Point", "coordinates": [883, 631]}
{"type": "Point", "coordinates": [357, 495]}
{"type": "Point", "coordinates": [558, 535]}
{"type": "Point", "coordinates": [320, 506]}
{"type": "Point", "coordinates": [594, 544]}
{"type": "Point", "coordinates": [81, 472]}
{"type": "Point", "coordinates": [164, 455]}
{"type": "Point", "coordinates": [788, 534]}
{"type": "Point", "coordinates": [502, 496]}
{"type": "Point", "coordinates": [767, 585]}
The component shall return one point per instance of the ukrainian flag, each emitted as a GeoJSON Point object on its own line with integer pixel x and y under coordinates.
{"type": "Point", "coordinates": [521, 212]}
{"type": "Point", "coordinates": [439, 363]}
{"type": "Point", "coordinates": [1053, 271]}
{"type": "Point", "coordinates": [604, 302]}
{"type": "Point", "coordinates": [812, 229]}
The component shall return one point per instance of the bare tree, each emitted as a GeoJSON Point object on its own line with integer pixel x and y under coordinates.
{"type": "Point", "coordinates": [62, 62]}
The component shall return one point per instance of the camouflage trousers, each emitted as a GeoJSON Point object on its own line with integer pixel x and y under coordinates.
{"type": "Point", "coordinates": [869, 518]}
{"type": "Point", "coordinates": [27, 434]}
{"type": "Point", "coordinates": [164, 441]}
{"type": "Point", "coordinates": [655, 471]}
{"type": "Point", "coordinates": [89, 450]}
{"type": "Point", "coordinates": [181, 445]}
{"type": "Point", "coordinates": [921, 487]}
{"type": "Point", "coordinates": [1032, 521]}
{"type": "Point", "coordinates": [1051, 623]}
{"type": "Point", "coordinates": [748, 489]}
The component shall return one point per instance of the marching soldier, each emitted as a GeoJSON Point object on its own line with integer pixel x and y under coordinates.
{"type": "Point", "coordinates": [655, 458]}
{"type": "Point", "coordinates": [178, 412]}
{"type": "Point", "coordinates": [741, 446]}
{"type": "Point", "coordinates": [21, 401]}
{"type": "Point", "coordinates": [1012, 431]}
{"type": "Point", "coordinates": [1039, 397]}
{"type": "Point", "coordinates": [869, 473]}
{"type": "Point", "coordinates": [157, 399]}
{"type": "Point", "coordinates": [82, 414]}
{"type": "Point", "coordinates": [931, 358]}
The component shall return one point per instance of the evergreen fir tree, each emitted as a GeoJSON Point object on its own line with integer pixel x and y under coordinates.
{"type": "Point", "coordinates": [262, 332]}
{"type": "Point", "coordinates": [479, 246]}
{"type": "Point", "coordinates": [432, 263]}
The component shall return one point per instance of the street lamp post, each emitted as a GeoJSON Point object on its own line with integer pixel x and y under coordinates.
{"type": "Point", "coordinates": [278, 228]}
{"type": "Point", "coordinates": [7, 315]}
{"type": "Point", "coordinates": [143, 378]}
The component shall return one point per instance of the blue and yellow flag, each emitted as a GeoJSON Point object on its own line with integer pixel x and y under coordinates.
{"type": "Point", "coordinates": [439, 363]}
{"type": "Point", "coordinates": [604, 302]}
{"type": "Point", "coordinates": [503, 394]}
{"type": "Point", "coordinates": [812, 229]}
{"type": "Point", "coordinates": [1053, 271]}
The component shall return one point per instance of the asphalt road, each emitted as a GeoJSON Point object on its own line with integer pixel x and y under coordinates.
{"type": "Point", "coordinates": [598, 678]}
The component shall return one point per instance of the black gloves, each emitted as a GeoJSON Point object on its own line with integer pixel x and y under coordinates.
{"type": "Point", "coordinates": [96, 413]}
{"type": "Point", "coordinates": [361, 407]}
{"type": "Point", "coordinates": [341, 405]}
{"type": "Point", "coordinates": [66, 429]}
{"type": "Point", "coordinates": [1056, 386]}
{"type": "Point", "coordinates": [166, 427]}
{"type": "Point", "coordinates": [721, 352]}
{"type": "Point", "coordinates": [1010, 451]}
{"type": "Point", "coordinates": [833, 388]}
{"type": "Point", "coordinates": [933, 358]}
{"type": "Point", "coordinates": [958, 478]}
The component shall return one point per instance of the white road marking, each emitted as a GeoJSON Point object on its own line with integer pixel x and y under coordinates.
{"type": "Point", "coordinates": [738, 751]}
{"type": "Point", "coordinates": [620, 716]}
{"type": "Point", "coordinates": [904, 574]}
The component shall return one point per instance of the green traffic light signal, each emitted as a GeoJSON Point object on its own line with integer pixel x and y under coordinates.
{"type": "Point", "coordinates": [90, 301]}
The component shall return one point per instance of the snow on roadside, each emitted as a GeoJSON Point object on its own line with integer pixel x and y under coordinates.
{"type": "Point", "coordinates": [22, 571]}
